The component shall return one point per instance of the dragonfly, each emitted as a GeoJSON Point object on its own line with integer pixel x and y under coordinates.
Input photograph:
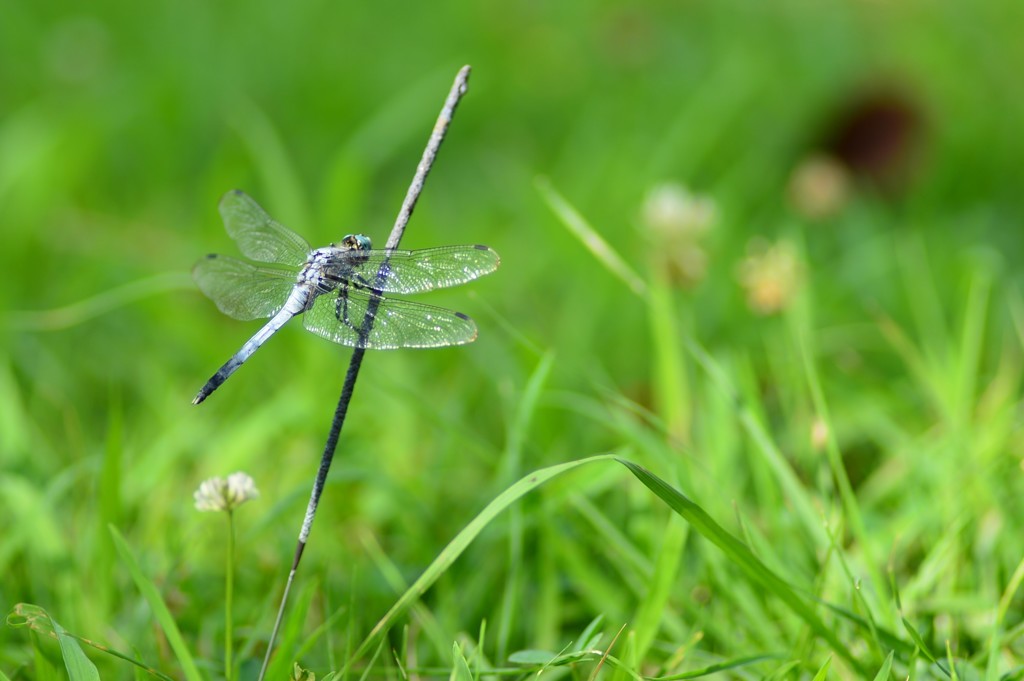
{"type": "Point", "coordinates": [338, 289]}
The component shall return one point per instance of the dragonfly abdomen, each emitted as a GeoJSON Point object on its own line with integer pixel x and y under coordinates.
{"type": "Point", "coordinates": [299, 301]}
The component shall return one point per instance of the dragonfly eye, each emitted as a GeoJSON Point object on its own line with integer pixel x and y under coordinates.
{"type": "Point", "coordinates": [357, 242]}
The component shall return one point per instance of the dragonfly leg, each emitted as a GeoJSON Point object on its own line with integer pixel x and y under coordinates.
{"type": "Point", "coordinates": [341, 308]}
{"type": "Point", "coordinates": [358, 280]}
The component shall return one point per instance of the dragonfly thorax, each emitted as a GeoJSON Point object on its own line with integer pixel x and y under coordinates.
{"type": "Point", "coordinates": [332, 265]}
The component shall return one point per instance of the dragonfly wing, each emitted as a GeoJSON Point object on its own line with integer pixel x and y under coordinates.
{"type": "Point", "coordinates": [338, 317]}
{"type": "Point", "coordinates": [240, 289]}
{"type": "Point", "coordinates": [426, 269]}
{"type": "Point", "coordinates": [257, 234]}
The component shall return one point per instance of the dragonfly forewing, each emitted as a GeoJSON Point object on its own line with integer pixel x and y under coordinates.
{"type": "Point", "coordinates": [258, 235]}
{"type": "Point", "coordinates": [339, 317]}
{"type": "Point", "coordinates": [424, 270]}
{"type": "Point", "coordinates": [243, 290]}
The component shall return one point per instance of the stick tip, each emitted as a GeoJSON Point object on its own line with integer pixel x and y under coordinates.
{"type": "Point", "coordinates": [462, 78]}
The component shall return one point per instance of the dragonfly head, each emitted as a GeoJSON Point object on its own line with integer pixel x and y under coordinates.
{"type": "Point", "coordinates": [356, 242]}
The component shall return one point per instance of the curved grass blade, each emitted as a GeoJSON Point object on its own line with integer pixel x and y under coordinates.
{"type": "Point", "coordinates": [39, 621]}
{"type": "Point", "coordinates": [459, 544]}
{"type": "Point", "coordinates": [78, 666]}
{"type": "Point", "coordinates": [270, 155]}
{"type": "Point", "coordinates": [916, 637]}
{"type": "Point", "coordinates": [157, 605]}
{"type": "Point", "coordinates": [59, 318]}
{"type": "Point", "coordinates": [703, 523]}
{"type": "Point", "coordinates": [594, 242]}
{"type": "Point", "coordinates": [739, 554]}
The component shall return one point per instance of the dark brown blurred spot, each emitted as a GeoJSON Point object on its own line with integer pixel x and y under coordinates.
{"type": "Point", "coordinates": [875, 135]}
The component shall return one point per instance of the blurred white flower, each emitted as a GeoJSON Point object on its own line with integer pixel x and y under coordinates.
{"type": "Point", "coordinates": [670, 211]}
{"type": "Point", "coordinates": [819, 187]}
{"type": "Point", "coordinates": [771, 275]}
{"type": "Point", "coordinates": [677, 219]}
{"type": "Point", "coordinates": [218, 494]}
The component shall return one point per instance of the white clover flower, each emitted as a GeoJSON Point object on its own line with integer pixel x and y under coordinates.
{"type": "Point", "coordinates": [218, 494]}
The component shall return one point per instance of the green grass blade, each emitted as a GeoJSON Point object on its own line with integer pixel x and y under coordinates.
{"type": "Point", "coordinates": [783, 671]}
{"type": "Point", "coordinates": [671, 392]}
{"type": "Point", "coordinates": [996, 640]}
{"type": "Point", "coordinates": [363, 150]}
{"type": "Point", "coordinates": [39, 621]}
{"type": "Point", "coordinates": [882, 635]}
{"type": "Point", "coordinates": [755, 429]}
{"type": "Point", "coordinates": [718, 667]}
{"type": "Point", "coordinates": [823, 672]}
{"type": "Point", "coordinates": [886, 668]}
{"type": "Point", "coordinates": [635, 566]}
{"type": "Point", "coordinates": [738, 553]}
{"type": "Point", "coordinates": [968, 365]}
{"type": "Point", "coordinates": [459, 544]}
{"type": "Point", "coordinates": [15, 437]}
{"type": "Point", "coordinates": [460, 668]}
{"type": "Point", "coordinates": [542, 661]}
{"type": "Point", "coordinates": [915, 636]}
{"type": "Point", "coordinates": [526, 408]}
{"type": "Point", "coordinates": [394, 578]}
{"type": "Point", "coordinates": [289, 649]}
{"type": "Point", "coordinates": [78, 666]}
{"type": "Point", "coordinates": [651, 613]}
{"type": "Point", "coordinates": [835, 459]}
{"type": "Point", "coordinates": [593, 241]}
{"type": "Point", "coordinates": [157, 605]}
{"type": "Point", "coordinates": [268, 151]}
{"type": "Point", "coordinates": [60, 318]}
{"type": "Point", "coordinates": [591, 637]}
{"type": "Point", "coordinates": [668, 374]}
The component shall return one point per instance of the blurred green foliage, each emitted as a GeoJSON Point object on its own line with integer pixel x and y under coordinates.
{"type": "Point", "coordinates": [122, 124]}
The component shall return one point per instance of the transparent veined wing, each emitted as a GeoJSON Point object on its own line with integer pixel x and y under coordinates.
{"type": "Point", "coordinates": [338, 316]}
{"type": "Point", "coordinates": [425, 269]}
{"type": "Point", "coordinates": [240, 289]}
{"type": "Point", "coordinates": [257, 234]}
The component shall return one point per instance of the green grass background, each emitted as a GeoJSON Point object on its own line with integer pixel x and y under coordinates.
{"type": "Point", "coordinates": [121, 125]}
